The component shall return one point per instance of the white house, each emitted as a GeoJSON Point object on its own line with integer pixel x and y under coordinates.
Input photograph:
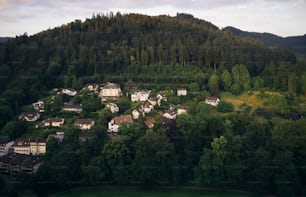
{"type": "Point", "coordinates": [160, 98]}
{"type": "Point", "coordinates": [181, 110]}
{"type": "Point", "coordinates": [114, 124]}
{"type": "Point", "coordinates": [142, 109]}
{"type": "Point", "coordinates": [29, 116]}
{"type": "Point", "coordinates": [30, 146]}
{"type": "Point", "coordinates": [39, 106]}
{"type": "Point", "coordinates": [5, 145]}
{"type": "Point", "coordinates": [113, 107]}
{"type": "Point", "coordinates": [69, 91]}
{"type": "Point", "coordinates": [110, 91]}
{"type": "Point", "coordinates": [136, 113]}
{"type": "Point", "coordinates": [181, 92]}
{"type": "Point", "coordinates": [170, 114]}
{"type": "Point", "coordinates": [53, 122]}
{"type": "Point", "coordinates": [142, 95]}
{"type": "Point", "coordinates": [84, 124]}
{"type": "Point", "coordinates": [91, 87]}
{"type": "Point", "coordinates": [214, 101]}
{"type": "Point", "coordinates": [70, 107]}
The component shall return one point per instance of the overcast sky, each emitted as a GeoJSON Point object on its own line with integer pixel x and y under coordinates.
{"type": "Point", "coordinates": [281, 17]}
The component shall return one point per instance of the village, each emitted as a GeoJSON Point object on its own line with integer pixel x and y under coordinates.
{"type": "Point", "coordinates": [25, 154]}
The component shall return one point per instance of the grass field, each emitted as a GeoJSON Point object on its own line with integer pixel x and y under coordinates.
{"type": "Point", "coordinates": [253, 100]}
{"type": "Point", "coordinates": [133, 192]}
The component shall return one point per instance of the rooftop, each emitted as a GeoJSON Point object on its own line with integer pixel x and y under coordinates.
{"type": "Point", "coordinates": [83, 121]}
{"type": "Point", "coordinates": [56, 119]}
{"type": "Point", "coordinates": [111, 86]}
{"type": "Point", "coordinates": [123, 119]}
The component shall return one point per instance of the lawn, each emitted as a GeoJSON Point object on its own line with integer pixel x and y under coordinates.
{"type": "Point", "coordinates": [134, 192]}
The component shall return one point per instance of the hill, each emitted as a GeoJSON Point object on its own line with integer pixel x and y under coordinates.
{"type": "Point", "coordinates": [295, 44]}
{"type": "Point", "coordinates": [145, 49]}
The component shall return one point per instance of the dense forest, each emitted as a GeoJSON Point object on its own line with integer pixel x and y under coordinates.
{"type": "Point", "coordinates": [232, 150]}
{"type": "Point", "coordinates": [296, 44]}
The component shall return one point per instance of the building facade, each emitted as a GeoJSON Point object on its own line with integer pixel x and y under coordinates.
{"type": "Point", "coordinates": [30, 146]}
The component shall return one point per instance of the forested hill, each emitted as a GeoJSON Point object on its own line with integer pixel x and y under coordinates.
{"type": "Point", "coordinates": [296, 44]}
{"type": "Point", "coordinates": [138, 47]}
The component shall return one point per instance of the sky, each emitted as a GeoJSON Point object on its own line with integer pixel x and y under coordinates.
{"type": "Point", "coordinates": [280, 17]}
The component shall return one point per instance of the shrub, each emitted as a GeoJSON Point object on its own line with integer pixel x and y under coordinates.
{"type": "Point", "coordinates": [224, 107]}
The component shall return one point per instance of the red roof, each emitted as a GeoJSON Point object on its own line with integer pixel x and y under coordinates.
{"type": "Point", "coordinates": [123, 119]}
{"type": "Point", "coordinates": [150, 121]}
{"type": "Point", "coordinates": [211, 99]}
{"type": "Point", "coordinates": [83, 121]}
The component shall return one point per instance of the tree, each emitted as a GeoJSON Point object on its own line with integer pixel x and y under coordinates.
{"type": "Point", "coordinates": [117, 156]}
{"type": "Point", "coordinates": [14, 129]}
{"type": "Point", "coordinates": [227, 80]}
{"type": "Point", "coordinates": [211, 169]}
{"type": "Point", "coordinates": [224, 107]}
{"type": "Point", "coordinates": [214, 85]}
{"type": "Point", "coordinates": [241, 78]}
{"type": "Point", "coordinates": [157, 167]}
{"type": "Point", "coordinates": [280, 104]}
{"type": "Point", "coordinates": [258, 83]}
{"type": "Point", "coordinates": [200, 79]}
{"type": "Point", "coordinates": [292, 84]}
{"type": "Point", "coordinates": [303, 83]}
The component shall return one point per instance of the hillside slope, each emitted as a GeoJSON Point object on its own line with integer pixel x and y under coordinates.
{"type": "Point", "coordinates": [295, 44]}
{"type": "Point", "coordinates": [154, 49]}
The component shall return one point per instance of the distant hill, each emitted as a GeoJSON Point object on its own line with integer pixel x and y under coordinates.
{"type": "Point", "coordinates": [4, 39]}
{"type": "Point", "coordinates": [295, 44]}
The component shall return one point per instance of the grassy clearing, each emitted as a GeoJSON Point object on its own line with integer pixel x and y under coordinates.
{"type": "Point", "coordinates": [252, 100]}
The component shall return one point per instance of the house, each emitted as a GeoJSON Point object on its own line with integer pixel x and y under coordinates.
{"type": "Point", "coordinates": [5, 145]}
{"type": "Point", "coordinates": [114, 124]}
{"type": "Point", "coordinates": [39, 106]}
{"type": "Point", "coordinates": [153, 101]}
{"type": "Point", "coordinates": [69, 91]}
{"type": "Point", "coordinates": [59, 136]}
{"type": "Point", "coordinates": [147, 107]}
{"type": "Point", "coordinates": [84, 124]}
{"type": "Point", "coordinates": [136, 113]}
{"type": "Point", "coordinates": [142, 95]}
{"type": "Point", "coordinates": [142, 109]}
{"type": "Point", "coordinates": [29, 116]}
{"type": "Point", "coordinates": [53, 122]}
{"type": "Point", "coordinates": [149, 122]}
{"type": "Point", "coordinates": [160, 98]}
{"type": "Point", "coordinates": [181, 92]}
{"type": "Point", "coordinates": [181, 110]}
{"type": "Point", "coordinates": [29, 146]}
{"type": "Point", "coordinates": [70, 107]}
{"type": "Point", "coordinates": [110, 91]}
{"type": "Point", "coordinates": [91, 87]}
{"type": "Point", "coordinates": [214, 101]}
{"type": "Point", "coordinates": [13, 164]}
{"type": "Point", "coordinates": [170, 114]}
{"type": "Point", "coordinates": [112, 107]}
